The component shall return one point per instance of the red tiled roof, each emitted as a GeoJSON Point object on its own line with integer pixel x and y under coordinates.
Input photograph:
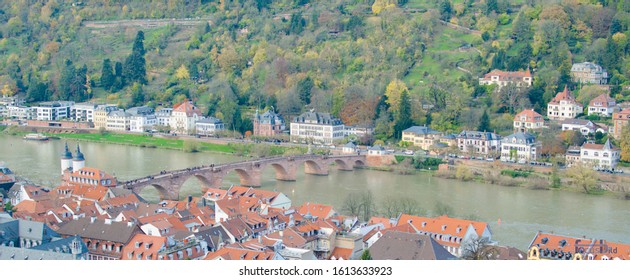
{"type": "Point", "coordinates": [382, 220]}
{"type": "Point", "coordinates": [318, 210]}
{"type": "Point", "coordinates": [603, 99]}
{"type": "Point", "coordinates": [239, 254]}
{"type": "Point", "coordinates": [443, 225]}
{"type": "Point", "coordinates": [530, 116]}
{"type": "Point", "coordinates": [563, 95]}
{"type": "Point", "coordinates": [507, 75]}
{"type": "Point", "coordinates": [187, 107]}
{"type": "Point", "coordinates": [341, 253]}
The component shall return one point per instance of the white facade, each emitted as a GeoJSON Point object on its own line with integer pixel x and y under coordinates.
{"type": "Point", "coordinates": [480, 142]}
{"type": "Point", "coordinates": [142, 123]}
{"type": "Point", "coordinates": [184, 118]}
{"type": "Point", "coordinates": [583, 126]}
{"type": "Point", "coordinates": [602, 105]}
{"type": "Point", "coordinates": [118, 120]}
{"type": "Point", "coordinates": [564, 106]}
{"type": "Point", "coordinates": [520, 147]}
{"type": "Point", "coordinates": [600, 156]}
{"type": "Point", "coordinates": [53, 111]}
{"type": "Point", "coordinates": [20, 112]}
{"type": "Point", "coordinates": [164, 116]}
{"type": "Point", "coordinates": [318, 128]}
{"type": "Point", "coordinates": [589, 73]}
{"type": "Point", "coordinates": [83, 112]}
{"type": "Point", "coordinates": [209, 126]}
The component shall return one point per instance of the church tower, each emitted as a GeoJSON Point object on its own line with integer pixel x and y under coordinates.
{"type": "Point", "coordinates": [66, 160]}
{"type": "Point", "coordinates": [79, 161]}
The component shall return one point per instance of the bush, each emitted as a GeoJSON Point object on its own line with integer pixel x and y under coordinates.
{"type": "Point", "coordinates": [427, 163]}
{"type": "Point", "coordinates": [515, 173]}
{"type": "Point", "coordinates": [191, 146]}
{"type": "Point", "coordinates": [463, 173]}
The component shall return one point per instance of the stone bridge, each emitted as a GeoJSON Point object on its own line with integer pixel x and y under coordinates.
{"type": "Point", "coordinates": [169, 183]}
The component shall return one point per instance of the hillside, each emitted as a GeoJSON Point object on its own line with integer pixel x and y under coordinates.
{"type": "Point", "coordinates": [346, 56]}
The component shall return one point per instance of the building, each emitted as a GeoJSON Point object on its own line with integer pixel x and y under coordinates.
{"type": "Point", "coordinates": [502, 78]}
{"type": "Point", "coordinates": [100, 115]}
{"type": "Point", "coordinates": [572, 156]}
{"type": "Point", "coordinates": [268, 124]}
{"type": "Point", "coordinates": [449, 232]}
{"type": "Point", "coordinates": [520, 147]}
{"type": "Point", "coordinates": [376, 150]}
{"type": "Point", "coordinates": [7, 101]}
{"type": "Point", "coordinates": [359, 131]}
{"type": "Point", "coordinates": [349, 148]}
{"type": "Point", "coordinates": [589, 73]}
{"type": "Point", "coordinates": [583, 126]}
{"type": "Point", "coordinates": [549, 246]}
{"type": "Point", "coordinates": [105, 239]}
{"type": "Point", "coordinates": [604, 156]}
{"type": "Point", "coordinates": [22, 113]}
{"type": "Point", "coordinates": [620, 119]}
{"type": "Point", "coordinates": [318, 128]}
{"type": "Point", "coordinates": [602, 105]}
{"type": "Point", "coordinates": [184, 117]}
{"type": "Point", "coordinates": [53, 110]}
{"type": "Point", "coordinates": [394, 245]}
{"type": "Point", "coordinates": [164, 116]}
{"type": "Point", "coordinates": [83, 112]}
{"type": "Point", "coordinates": [421, 136]}
{"type": "Point", "coordinates": [141, 119]}
{"type": "Point", "coordinates": [527, 120]}
{"type": "Point", "coordinates": [564, 106]}
{"type": "Point", "coordinates": [477, 142]}
{"type": "Point", "coordinates": [209, 126]}
{"type": "Point", "coordinates": [145, 247]}
{"type": "Point", "coordinates": [118, 120]}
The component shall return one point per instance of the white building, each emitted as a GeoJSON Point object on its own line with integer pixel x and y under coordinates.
{"type": "Point", "coordinates": [118, 120]}
{"type": "Point", "coordinates": [520, 147]}
{"type": "Point", "coordinates": [83, 112]}
{"type": "Point", "coordinates": [320, 128]}
{"type": "Point", "coordinates": [349, 148]}
{"type": "Point", "coordinates": [164, 116]}
{"type": "Point", "coordinates": [589, 73]}
{"type": "Point", "coordinates": [209, 126]}
{"type": "Point", "coordinates": [528, 119]}
{"type": "Point", "coordinates": [7, 101]}
{"type": "Point", "coordinates": [583, 126]}
{"type": "Point", "coordinates": [359, 130]}
{"type": "Point", "coordinates": [603, 105]}
{"type": "Point", "coordinates": [564, 106]}
{"type": "Point", "coordinates": [600, 156]}
{"type": "Point", "coordinates": [480, 142]}
{"type": "Point", "coordinates": [53, 110]}
{"type": "Point", "coordinates": [141, 119]}
{"type": "Point", "coordinates": [185, 116]}
{"type": "Point", "coordinates": [503, 78]}
{"type": "Point", "coordinates": [19, 112]}
{"type": "Point", "coordinates": [376, 150]}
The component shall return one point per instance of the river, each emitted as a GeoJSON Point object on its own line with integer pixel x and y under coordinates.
{"type": "Point", "coordinates": [522, 212]}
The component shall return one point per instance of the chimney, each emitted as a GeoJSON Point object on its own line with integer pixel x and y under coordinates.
{"type": "Point", "coordinates": [281, 233]}
{"type": "Point", "coordinates": [92, 219]}
{"type": "Point", "coordinates": [129, 224]}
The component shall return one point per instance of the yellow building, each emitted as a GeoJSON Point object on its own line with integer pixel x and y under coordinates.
{"type": "Point", "coordinates": [421, 136]}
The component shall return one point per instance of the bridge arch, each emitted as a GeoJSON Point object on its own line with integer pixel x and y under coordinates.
{"type": "Point", "coordinates": [359, 163]}
{"type": "Point", "coordinates": [314, 167]}
{"type": "Point", "coordinates": [342, 165]}
{"type": "Point", "coordinates": [283, 173]}
{"type": "Point", "coordinates": [162, 191]}
{"type": "Point", "coordinates": [246, 179]}
{"type": "Point", "coordinates": [195, 185]}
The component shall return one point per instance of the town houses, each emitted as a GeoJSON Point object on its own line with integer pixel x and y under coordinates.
{"type": "Point", "coordinates": [564, 106]}
{"type": "Point", "coordinates": [527, 120]}
{"type": "Point", "coordinates": [620, 120]}
{"type": "Point", "coordinates": [268, 124]}
{"type": "Point", "coordinates": [520, 147]}
{"type": "Point", "coordinates": [588, 73]}
{"type": "Point", "coordinates": [477, 142]}
{"type": "Point", "coordinates": [502, 78]}
{"type": "Point", "coordinates": [602, 105]}
{"type": "Point", "coordinates": [316, 127]}
{"type": "Point", "coordinates": [421, 136]}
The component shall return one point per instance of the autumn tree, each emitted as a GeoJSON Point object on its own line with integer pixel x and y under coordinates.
{"type": "Point", "coordinates": [583, 176]}
{"type": "Point", "coordinates": [182, 73]}
{"type": "Point", "coordinates": [624, 142]}
{"type": "Point", "coordinates": [393, 92]}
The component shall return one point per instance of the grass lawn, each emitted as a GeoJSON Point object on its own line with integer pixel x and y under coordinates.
{"type": "Point", "coordinates": [145, 141]}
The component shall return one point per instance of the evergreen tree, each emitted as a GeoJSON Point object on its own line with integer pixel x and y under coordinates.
{"type": "Point", "coordinates": [37, 91]}
{"type": "Point", "coordinates": [297, 24]}
{"type": "Point", "coordinates": [492, 6]}
{"type": "Point", "coordinates": [119, 80]}
{"type": "Point", "coordinates": [522, 28]}
{"type": "Point", "coordinates": [304, 88]}
{"type": "Point", "coordinates": [403, 118]}
{"type": "Point", "coordinates": [445, 10]}
{"type": "Point", "coordinates": [366, 255]}
{"type": "Point", "coordinates": [484, 122]}
{"type": "Point", "coordinates": [107, 75]}
{"type": "Point", "coordinates": [135, 65]}
{"type": "Point", "coordinates": [137, 95]}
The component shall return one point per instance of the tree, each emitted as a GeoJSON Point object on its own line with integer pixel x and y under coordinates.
{"type": "Point", "coordinates": [297, 23]}
{"type": "Point", "coordinates": [137, 95]}
{"type": "Point", "coordinates": [107, 75]}
{"type": "Point", "coordinates": [484, 122]}
{"type": "Point", "coordinates": [37, 91]}
{"type": "Point", "coordinates": [393, 92]}
{"type": "Point", "coordinates": [352, 205]}
{"type": "Point", "coordinates": [403, 117]}
{"type": "Point", "coordinates": [382, 125]}
{"type": "Point", "coordinates": [135, 65]}
{"type": "Point", "coordinates": [478, 248]}
{"type": "Point", "coordinates": [583, 176]}
{"type": "Point", "coordinates": [182, 73]}
{"type": "Point", "coordinates": [492, 6]}
{"type": "Point", "coordinates": [445, 10]}
{"type": "Point", "coordinates": [304, 88]}
{"type": "Point", "coordinates": [365, 256]}
{"type": "Point", "coordinates": [522, 28]}
{"type": "Point", "coordinates": [624, 142]}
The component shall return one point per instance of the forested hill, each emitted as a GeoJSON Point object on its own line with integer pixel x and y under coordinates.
{"type": "Point", "coordinates": [356, 59]}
